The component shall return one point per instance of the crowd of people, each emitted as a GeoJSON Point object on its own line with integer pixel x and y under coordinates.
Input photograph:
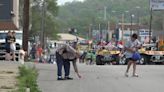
{"type": "Point", "coordinates": [42, 55]}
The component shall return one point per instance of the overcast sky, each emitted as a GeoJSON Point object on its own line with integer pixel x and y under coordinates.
{"type": "Point", "coordinates": [63, 1]}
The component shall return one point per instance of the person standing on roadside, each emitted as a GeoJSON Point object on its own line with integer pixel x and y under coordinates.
{"type": "Point", "coordinates": [14, 40]}
{"type": "Point", "coordinates": [39, 49]}
{"type": "Point", "coordinates": [64, 55]}
{"type": "Point", "coordinates": [7, 46]}
{"type": "Point", "coordinates": [55, 44]}
{"type": "Point", "coordinates": [34, 50]}
{"type": "Point", "coordinates": [130, 47]}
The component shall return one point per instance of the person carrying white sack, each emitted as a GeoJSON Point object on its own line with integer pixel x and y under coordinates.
{"type": "Point", "coordinates": [13, 48]}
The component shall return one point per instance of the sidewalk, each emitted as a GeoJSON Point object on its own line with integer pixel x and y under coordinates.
{"type": "Point", "coordinates": [7, 77]}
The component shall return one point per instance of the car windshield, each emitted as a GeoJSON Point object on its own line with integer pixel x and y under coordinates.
{"type": "Point", "coordinates": [3, 35]}
{"type": "Point", "coordinates": [18, 36]}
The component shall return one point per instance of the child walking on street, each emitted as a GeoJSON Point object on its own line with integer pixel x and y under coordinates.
{"type": "Point", "coordinates": [37, 57]}
{"type": "Point", "coordinates": [94, 58]}
{"type": "Point", "coordinates": [89, 59]}
{"type": "Point", "coordinates": [130, 50]}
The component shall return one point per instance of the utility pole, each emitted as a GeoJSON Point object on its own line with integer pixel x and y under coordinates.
{"type": "Point", "coordinates": [150, 26]}
{"type": "Point", "coordinates": [89, 32]}
{"type": "Point", "coordinates": [122, 28]}
{"type": "Point", "coordinates": [107, 37]}
{"type": "Point", "coordinates": [131, 25]}
{"type": "Point", "coordinates": [105, 13]}
{"type": "Point", "coordinates": [26, 26]}
{"type": "Point", "coordinates": [139, 25]}
{"type": "Point", "coordinates": [116, 24]}
{"type": "Point", "coordinates": [42, 26]}
{"type": "Point", "coordinates": [163, 24]}
{"type": "Point", "coordinates": [99, 31]}
{"type": "Point", "coordinates": [106, 27]}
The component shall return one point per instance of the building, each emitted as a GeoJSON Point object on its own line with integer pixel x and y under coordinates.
{"type": "Point", "coordinates": [9, 17]}
{"type": "Point", "coordinates": [66, 38]}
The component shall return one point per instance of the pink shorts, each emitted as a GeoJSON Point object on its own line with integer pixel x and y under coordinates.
{"type": "Point", "coordinates": [36, 59]}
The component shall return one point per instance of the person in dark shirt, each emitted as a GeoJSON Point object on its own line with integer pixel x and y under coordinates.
{"type": "Point", "coordinates": [14, 41]}
{"type": "Point", "coordinates": [7, 46]}
{"type": "Point", "coordinates": [34, 50]}
{"type": "Point", "coordinates": [55, 44]}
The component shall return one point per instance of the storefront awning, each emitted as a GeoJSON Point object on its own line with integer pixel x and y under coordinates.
{"type": "Point", "coordinates": [7, 25]}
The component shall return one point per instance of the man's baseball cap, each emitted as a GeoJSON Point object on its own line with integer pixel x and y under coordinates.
{"type": "Point", "coordinates": [80, 53]}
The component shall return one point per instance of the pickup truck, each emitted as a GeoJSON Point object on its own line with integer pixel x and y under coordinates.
{"type": "Point", "coordinates": [19, 40]}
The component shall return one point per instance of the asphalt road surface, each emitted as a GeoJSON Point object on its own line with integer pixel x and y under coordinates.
{"type": "Point", "coordinates": [108, 78]}
{"type": "Point", "coordinates": [102, 79]}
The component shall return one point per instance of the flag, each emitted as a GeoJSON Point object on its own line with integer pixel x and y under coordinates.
{"type": "Point", "coordinates": [113, 43]}
{"type": "Point", "coordinates": [109, 46]}
{"type": "Point", "coordinates": [158, 38]}
{"type": "Point", "coordinates": [160, 45]}
{"type": "Point", "coordinates": [147, 40]}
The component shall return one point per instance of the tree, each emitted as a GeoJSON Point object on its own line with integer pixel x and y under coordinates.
{"type": "Point", "coordinates": [36, 16]}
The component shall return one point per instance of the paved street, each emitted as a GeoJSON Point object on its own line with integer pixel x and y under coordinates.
{"type": "Point", "coordinates": [100, 79]}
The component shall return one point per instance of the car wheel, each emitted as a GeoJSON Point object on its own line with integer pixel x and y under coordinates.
{"type": "Point", "coordinates": [98, 60]}
{"type": "Point", "coordinates": [117, 59]}
{"type": "Point", "coordinates": [143, 60]}
{"type": "Point", "coordinates": [123, 60]}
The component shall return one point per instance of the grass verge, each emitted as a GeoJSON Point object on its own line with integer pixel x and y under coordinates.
{"type": "Point", "coordinates": [9, 72]}
{"type": "Point", "coordinates": [32, 61]}
{"type": "Point", "coordinates": [27, 79]}
{"type": "Point", "coordinates": [6, 87]}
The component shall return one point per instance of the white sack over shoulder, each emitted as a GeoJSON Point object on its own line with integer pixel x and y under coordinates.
{"type": "Point", "coordinates": [12, 47]}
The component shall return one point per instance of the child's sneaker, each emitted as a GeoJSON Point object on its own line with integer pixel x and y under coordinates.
{"type": "Point", "coordinates": [126, 74]}
{"type": "Point", "coordinates": [135, 75]}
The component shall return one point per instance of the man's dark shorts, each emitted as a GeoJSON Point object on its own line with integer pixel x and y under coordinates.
{"type": "Point", "coordinates": [7, 50]}
{"type": "Point", "coordinates": [89, 59]}
{"type": "Point", "coordinates": [130, 59]}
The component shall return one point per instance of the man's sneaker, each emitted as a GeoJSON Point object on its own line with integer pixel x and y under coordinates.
{"type": "Point", "coordinates": [126, 74]}
{"type": "Point", "coordinates": [68, 78]}
{"type": "Point", "coordinates": [61, 78]}
{"type": "Point", "coordinates": [135, 75]}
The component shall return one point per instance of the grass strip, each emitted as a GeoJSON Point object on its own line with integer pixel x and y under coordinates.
{"type": "Point", "coordinates": [6, 87]}
{"type": "Point", "coordinates": [27, 79]}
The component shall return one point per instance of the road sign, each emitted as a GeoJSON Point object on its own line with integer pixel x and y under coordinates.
{"type": "Point", "coordinates": [103, 34]}
{"type": "Point", "coordinates": [95, 32]}
{"type": "Point", "coordinates": [156, 4]}
{"type": "Point", "coordinates": [80, 47]}
{"type": "Point", "coordinates": [145, 32]}
{"type": "Point", "coordinates": [126, 34]}
{"type": "Point", "coordinates": [88, 47]}
{"type": "Point", "coordinates": [113, 35]}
